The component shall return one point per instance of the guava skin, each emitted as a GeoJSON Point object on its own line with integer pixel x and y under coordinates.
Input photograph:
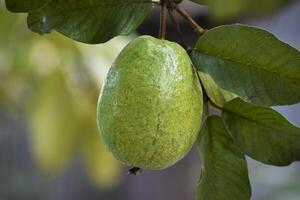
{"type": "Point", "coordinates": [150, 106]}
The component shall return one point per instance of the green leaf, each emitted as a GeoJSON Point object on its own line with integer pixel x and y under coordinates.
{"type": "Point", "coordinates": [236, 8]}
{"type": "Point", "coordinates": [217, 95]}
{"type": "Point", "coordinates": [250, 62]}
{"type": "Point", "coordinates": [262, 133]}
{"type": "Point", "coordinates": [91, 21]}
{"type": "Point", "coordinates": [25, 5]}
{"type": "Point", "coordinates": [224, 173]}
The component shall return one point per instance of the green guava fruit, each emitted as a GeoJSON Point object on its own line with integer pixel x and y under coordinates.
{"type": "Point", "coordinates": [150, 107]}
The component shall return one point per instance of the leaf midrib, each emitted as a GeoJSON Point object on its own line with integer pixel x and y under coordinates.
{"type": "Point", "coordinates": [249, 65]}
{"type": "Point", "coordinates": [279, 129]}
{"type": "Point", "coordinates": [121, 3]}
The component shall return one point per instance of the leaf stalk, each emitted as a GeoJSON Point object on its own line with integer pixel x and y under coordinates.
{"type": "Point", "coordinates": [189, 19]}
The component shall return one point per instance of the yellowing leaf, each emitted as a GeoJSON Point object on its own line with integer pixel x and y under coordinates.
{"type": "Point", "coordinates": [51, 118]}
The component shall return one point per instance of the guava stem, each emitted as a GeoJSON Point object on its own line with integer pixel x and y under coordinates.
{"type": "Point", "coordinates": [177, 27]}
{"type": "Point", "coordinates": [163, 20]}
{"type": "Point", "coordinates": [189, 19]}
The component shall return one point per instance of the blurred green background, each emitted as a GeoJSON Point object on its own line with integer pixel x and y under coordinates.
{"type": "Point", "coordinates": [50, 148]}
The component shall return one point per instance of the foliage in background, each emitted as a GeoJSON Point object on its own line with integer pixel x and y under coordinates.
{"type": "Point", "coordinates": [53, 82]}
{"type": "Point", "coordinates": [232, 9]}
